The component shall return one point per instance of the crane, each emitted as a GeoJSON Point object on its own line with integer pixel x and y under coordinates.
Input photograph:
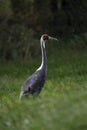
{"type": "Point", "coordinates": [34, 84]}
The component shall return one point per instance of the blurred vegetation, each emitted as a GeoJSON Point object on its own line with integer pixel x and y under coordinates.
{"type": "Point", "coordinates": [62, 104]}
{"type": "Point", "coordinates": [24, 20]}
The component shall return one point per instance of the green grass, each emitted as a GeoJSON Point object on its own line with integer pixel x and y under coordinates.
{"type": "Point", "coordinates": [62, 104]}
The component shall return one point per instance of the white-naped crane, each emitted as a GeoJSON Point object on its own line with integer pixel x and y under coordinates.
{"type": "Point", "coordinates": [34, 84]}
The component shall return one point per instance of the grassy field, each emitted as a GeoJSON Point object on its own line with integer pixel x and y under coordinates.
{"type": "Point", "coordinates": [62, 105]}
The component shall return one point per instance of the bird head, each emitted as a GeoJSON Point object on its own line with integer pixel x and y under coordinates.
{"type": "Point", "coordinates": [47, 37]}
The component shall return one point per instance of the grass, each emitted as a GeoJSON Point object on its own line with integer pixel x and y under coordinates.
{"type": "Point", "coordinates": [62, 105]}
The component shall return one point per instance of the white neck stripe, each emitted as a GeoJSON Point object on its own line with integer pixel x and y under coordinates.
{"type": "Point", "coordinates": [42, 42]}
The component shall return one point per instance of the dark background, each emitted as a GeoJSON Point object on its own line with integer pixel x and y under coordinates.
{"type": "Point", "coordinates": [22, 22]}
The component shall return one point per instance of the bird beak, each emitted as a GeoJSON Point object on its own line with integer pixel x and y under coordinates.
{"type": "Point", "coordinates": [52, 38]}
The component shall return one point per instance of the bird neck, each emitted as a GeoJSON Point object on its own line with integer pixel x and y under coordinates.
{"type": "Point", "coordinates": [44, 58]}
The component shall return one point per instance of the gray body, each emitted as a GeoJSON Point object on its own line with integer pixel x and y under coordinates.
{"type": "Point", "coordinates": [34, 84]}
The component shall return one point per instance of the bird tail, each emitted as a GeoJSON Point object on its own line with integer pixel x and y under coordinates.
{"type": "Point", "coordinates": [21, 94]}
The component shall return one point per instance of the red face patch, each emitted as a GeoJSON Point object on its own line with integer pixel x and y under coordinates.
{"type": "Point", "coordinates": [45, 37]}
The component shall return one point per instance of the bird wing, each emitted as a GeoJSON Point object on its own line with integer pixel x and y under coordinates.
{"type": "Point", "coordinates": [34, 82]}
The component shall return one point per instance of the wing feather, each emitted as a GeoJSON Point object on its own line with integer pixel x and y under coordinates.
{"type": "Point", "coordinates": [34, 83]}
